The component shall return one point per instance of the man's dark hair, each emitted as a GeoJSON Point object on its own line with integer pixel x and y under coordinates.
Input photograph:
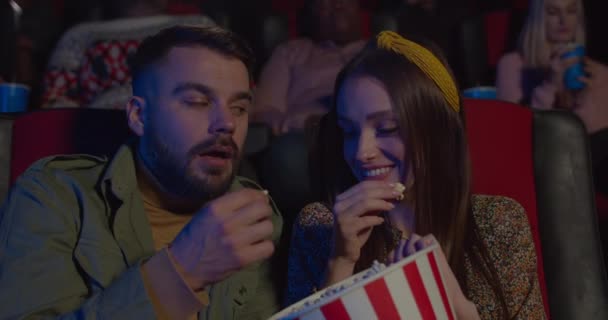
{"type": "Point", "coordinates": [155, 48]}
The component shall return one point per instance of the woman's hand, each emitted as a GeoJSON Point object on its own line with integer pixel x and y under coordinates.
{"type": "Point", "coordinates": [559, 65]}
{"type": "Point", "coordinates": [355, 214]}
{"type": "Point", "coordinates": [464, 308]}
{"type": "Point", "coordinates": [545, 95]}
{"type": "Point", "coordinates": [591, 102]}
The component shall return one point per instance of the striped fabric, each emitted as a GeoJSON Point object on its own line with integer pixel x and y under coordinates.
{"type": "Point", "coordinates": [411, 289]}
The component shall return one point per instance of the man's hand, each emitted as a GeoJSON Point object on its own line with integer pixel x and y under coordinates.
{"type": "Point", "coordinates": [228, 234]}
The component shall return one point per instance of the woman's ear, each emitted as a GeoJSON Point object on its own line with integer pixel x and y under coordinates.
{"type": "Point", "coordinates": [136, 111]}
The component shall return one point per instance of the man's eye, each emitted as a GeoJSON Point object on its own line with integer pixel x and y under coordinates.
{"type": "Point", "coordinates": [196, 103]}
{"type": "Point", "coordinates": [238, 111]}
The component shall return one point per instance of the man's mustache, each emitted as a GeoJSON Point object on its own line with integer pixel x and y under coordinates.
{"type": "Point", "coordinates": [225, 143]}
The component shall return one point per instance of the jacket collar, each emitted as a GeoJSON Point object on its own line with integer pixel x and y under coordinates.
{"type": "Point", "coordinates": [130, 225]}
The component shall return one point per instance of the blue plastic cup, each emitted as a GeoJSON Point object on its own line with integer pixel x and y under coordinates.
{"type": "Point", "coordinates": [576, 70]}
{"type": "Point", "coordinates": [480, 93]}
{"type": "Point", "coordinates": [14, 97]}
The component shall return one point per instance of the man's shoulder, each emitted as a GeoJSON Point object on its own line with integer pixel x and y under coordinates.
{"type": "Point", "coordinates": [70, 162]}
{"type": "Point", "coordinates": [54, 190]}
{"type": "Point", "coordinates": [74, 166]}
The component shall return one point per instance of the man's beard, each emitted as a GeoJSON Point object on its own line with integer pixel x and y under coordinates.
{"type": "Point", "coordinates": [175, 175]}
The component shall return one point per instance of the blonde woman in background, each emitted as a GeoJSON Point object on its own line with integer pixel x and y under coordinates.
{"type": "Point", "coordinates": [533, 75]}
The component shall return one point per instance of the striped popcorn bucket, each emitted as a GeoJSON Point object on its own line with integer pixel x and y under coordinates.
{"type": "Point", "coordinates": [413, 288]}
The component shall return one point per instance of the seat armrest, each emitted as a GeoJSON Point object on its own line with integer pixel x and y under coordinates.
{"type": "Point", "coordinates": [574, 268]}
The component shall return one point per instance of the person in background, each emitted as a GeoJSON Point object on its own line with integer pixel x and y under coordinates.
{"type": "Point", "coordinates": [165, 229]}
{"type": "Point", "coordinates": [298, 79]}
{"type": "Point", "coordinates": [533, 75]}
{"type": "Point", "coordinates": [395, 172]}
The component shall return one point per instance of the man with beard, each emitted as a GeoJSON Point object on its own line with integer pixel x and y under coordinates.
{"type": "Point", "coordinates": [164, 229]}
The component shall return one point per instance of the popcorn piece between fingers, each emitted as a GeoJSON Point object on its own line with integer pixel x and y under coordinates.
{"type": "Point", "coordinates": [400, 188]}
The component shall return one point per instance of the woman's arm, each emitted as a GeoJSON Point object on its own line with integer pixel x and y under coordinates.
{"type": "Point", "coordinates": [308, 252]}
{"type": "Point", "coordinates": [508, 78]}
{"type": "Point", "coordinates": [544, 96]}
{"type": "Point", "coordinates": [506, 232]}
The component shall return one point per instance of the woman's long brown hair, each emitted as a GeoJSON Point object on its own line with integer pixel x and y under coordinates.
{"type": "Point", "coordinates": [436, 146]}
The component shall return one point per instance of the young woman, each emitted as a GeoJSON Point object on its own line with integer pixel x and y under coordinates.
{"type": "Point", "coordinates": [533, 75]}
{"type": "Point", "coordinates": [397, 121]}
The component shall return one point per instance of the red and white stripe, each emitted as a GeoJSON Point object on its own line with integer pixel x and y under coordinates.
{"type": "Point", "coordinates": [415, 291]}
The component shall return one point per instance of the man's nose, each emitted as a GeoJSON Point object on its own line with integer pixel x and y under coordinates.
{"type": "Point", "coordinates": [222, 121]}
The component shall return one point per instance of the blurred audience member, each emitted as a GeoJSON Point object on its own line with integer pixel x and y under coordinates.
{"type": "Point", "coordinates": [298, 80]}
{"type": "Point", "coordinates": [533, 75]}
{"type": "Point", "coordinates": [90, 66]}
{"type": "Point", "coordinates": [437, 21]}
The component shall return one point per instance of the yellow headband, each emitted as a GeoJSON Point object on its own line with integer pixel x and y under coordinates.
{"type": "Point", "coordinates": [425, 61]}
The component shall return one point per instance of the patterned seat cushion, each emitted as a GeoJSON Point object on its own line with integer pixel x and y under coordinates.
{"type": "Point", "coordinates": [90, 66]}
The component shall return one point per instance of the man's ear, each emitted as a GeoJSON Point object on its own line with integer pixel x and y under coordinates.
{"type": "Point", "coordinates": [136, 114]}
